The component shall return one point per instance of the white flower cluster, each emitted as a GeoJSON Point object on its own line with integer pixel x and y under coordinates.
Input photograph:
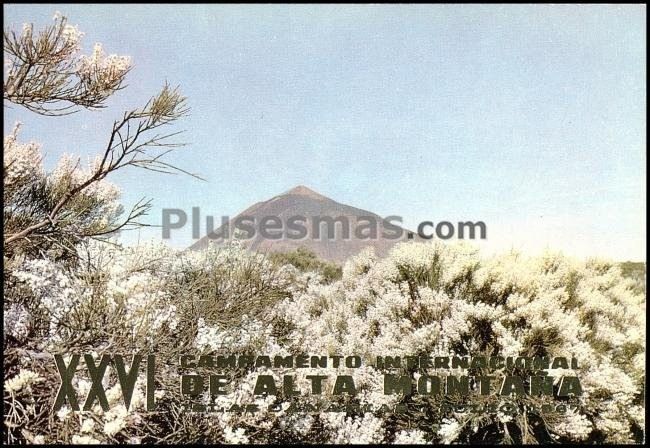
{"type": "Point", "coordinates": [133, 289]}
{"type": "Point", "coordinates": [16, 320]}
{"type": "Point", "coordinates": [410, 437]}
{"type": "Point", "coordinates": [449, 430]}
{"type": "Point", "coordinates": [355, 430]}
{"type": "Point", "coordinates": [21, 161]}
{"type": "Point", "coordinates": [28, 30]}
{"type": "Point", "coordinates": [574, 426]}
{"type": "Point", "coordinates": [105, 72]}
{"type": "Point", "coordinates": [249, 333]}
{"type": "Point", "coordinates": [235, 436]}
{"type": "Point", "coordinates": [23, 380]}
{"type": "Point", "coordinates": [70, 35]}
{"type": "Point", "coordinates": [57, 293]}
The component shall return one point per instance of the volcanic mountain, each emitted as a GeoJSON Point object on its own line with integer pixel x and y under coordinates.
{"type": "Point", "coordinates": [323, 224]}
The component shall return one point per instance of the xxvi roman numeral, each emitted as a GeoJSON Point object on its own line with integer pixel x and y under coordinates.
{"type": "Point", "coordinates": [127, 380]}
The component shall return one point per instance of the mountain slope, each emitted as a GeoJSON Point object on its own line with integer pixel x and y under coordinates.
{"type": "Point", "coordinates": [316, 208]}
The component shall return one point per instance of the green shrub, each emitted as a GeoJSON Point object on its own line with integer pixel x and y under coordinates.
{"type": "Point", "coordinates": [307, 261]}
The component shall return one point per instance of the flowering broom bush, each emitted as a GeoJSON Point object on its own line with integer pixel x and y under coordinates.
{"type": "Point", "coordinates": [422, 299]}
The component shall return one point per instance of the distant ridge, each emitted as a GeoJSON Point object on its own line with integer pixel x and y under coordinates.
{"type": "Point", "coordinates": [303, 201]}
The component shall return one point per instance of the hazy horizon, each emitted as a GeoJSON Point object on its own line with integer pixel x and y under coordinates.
{"type": "Point", "coordinates": [530, 118]}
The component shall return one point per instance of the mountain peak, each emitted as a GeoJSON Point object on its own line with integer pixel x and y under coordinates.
{"type": "Point", "coordinates": [301, 190]}
{"type": "Point", "coordinates": [313, 208]}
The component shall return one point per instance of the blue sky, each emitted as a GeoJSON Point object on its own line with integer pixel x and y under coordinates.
{"type": "Point", "coordinates": [530, 118]}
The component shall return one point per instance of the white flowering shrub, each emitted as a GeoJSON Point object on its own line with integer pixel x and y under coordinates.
{"type": "Point", "coordinates": [423, 299]}
{"type": "Point", "coordinates": [52, 212]}
{"type": "Point", "coordinates": [444, 300]}
{"type": "Point", "coordinates": [55, 291]}
{"type": "Point", "coordinates": [124, 300]}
